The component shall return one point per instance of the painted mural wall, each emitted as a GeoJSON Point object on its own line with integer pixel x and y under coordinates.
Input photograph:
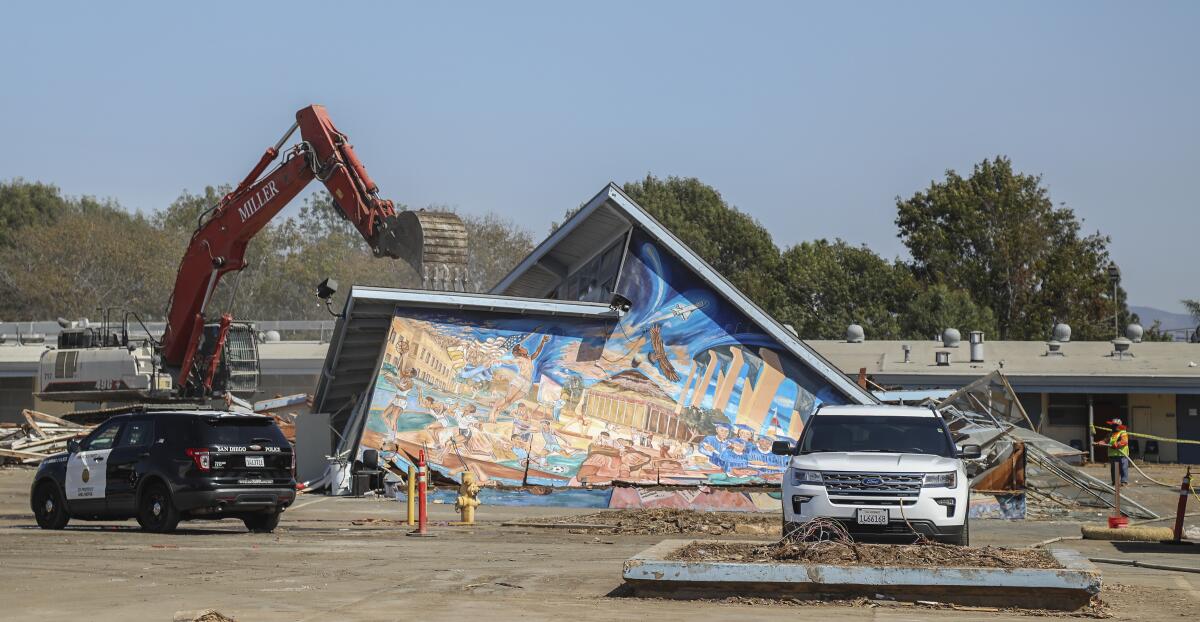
{"type": "Point", "coordinates": [682, 389]}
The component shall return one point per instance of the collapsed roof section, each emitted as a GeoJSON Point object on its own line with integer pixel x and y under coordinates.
{"type": "Point", "coordinates": [583, 259]}
{"type": "Point", "coordinates": [356, 349]}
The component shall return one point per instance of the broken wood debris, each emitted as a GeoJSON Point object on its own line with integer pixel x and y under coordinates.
{"type": "Point", "coordinates": [44, 433]}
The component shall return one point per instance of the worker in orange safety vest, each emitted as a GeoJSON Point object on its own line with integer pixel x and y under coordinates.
{"type": "Point", "coordinates": [1118, 451]}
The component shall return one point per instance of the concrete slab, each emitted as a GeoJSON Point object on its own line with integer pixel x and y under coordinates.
{"type": "Point", "coordinates": [650, 573]}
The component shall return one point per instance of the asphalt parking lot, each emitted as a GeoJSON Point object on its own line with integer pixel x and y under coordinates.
{"type": "Point", "coordinates": [321, 566]}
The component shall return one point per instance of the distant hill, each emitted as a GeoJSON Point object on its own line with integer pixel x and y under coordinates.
{"type": "Point", "coordinates": [1166, 319]}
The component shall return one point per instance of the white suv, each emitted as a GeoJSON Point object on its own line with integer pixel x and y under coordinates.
{"type": "Point", "coordinates": [879, 470]}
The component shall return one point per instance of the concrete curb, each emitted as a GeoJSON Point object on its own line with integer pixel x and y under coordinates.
{"type": "Point", "coordinates": [649, 573]}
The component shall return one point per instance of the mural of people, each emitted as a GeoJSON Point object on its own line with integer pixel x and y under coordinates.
{"type": "Point", "coordinates": [513, 398]}
{"type": "Point", "coordinates": [523, 380]}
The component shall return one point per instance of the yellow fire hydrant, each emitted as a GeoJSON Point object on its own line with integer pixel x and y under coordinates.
{"type": "Point", "coordinates": [468, 498]}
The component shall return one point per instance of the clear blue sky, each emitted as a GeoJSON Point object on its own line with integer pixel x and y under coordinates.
{"type": "Point", "coordinates": [811, 117]}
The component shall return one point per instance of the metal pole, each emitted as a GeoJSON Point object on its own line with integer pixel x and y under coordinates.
{"type": "Point", "coordinates": [1116, 311]}
{"type": "Point", "coordinates": [1090, 437]}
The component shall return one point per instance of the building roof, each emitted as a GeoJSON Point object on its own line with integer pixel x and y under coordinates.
{"type": "Point", "coordinates": [608, 217]}
{"type": "Point", "coordinates": [1088, 366]}
{"type": "Point", "coordinates": [357, 346]}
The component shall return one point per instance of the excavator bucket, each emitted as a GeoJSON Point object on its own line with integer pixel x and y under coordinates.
{"type": "Point", "coordinates": [433, 243]}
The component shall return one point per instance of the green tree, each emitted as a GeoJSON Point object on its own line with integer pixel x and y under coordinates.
{"type": "Point", "coordinates": [93, 255]}
{"type": "Point", "coordinates": [998, 236]}
{"type": "Point", "coordinates": [1193, 308]}
{"type": "Point", "coordinates": [937, 307]}
{"type": "Point", "coordinates": [184, 214]}
{"type": "Point", "coordinates": [735, 244]}
{"type": "Point", "coordinates": [23, 204]}
{"type": "Point", "coordinates": [830, 285]}
{"type": "Point", "coordinates": [496, 246]}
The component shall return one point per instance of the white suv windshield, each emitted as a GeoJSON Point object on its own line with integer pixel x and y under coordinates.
{"type": "Point", "coordinates": [884, 434]}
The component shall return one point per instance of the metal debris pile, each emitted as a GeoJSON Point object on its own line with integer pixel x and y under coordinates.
{"type": "Point", "coordinates": [39, 437]}
{"type": "Point", "coordinates": [665, 521]}
{"type": "Point", "coordinates": [1016, 458]}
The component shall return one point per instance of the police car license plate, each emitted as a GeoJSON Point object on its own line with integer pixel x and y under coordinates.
{"type": "Point", "coordinates": [872, 517]}
{"type": "Point", "coordinates": [255, 461]}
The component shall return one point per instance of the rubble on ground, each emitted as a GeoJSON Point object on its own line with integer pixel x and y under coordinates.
{"type": "Point", "coordinates": [845, 553]}
{"type": "Point", "coordinates": [665, 521]}
{"type": "Point", "coordinates": [39, 437]}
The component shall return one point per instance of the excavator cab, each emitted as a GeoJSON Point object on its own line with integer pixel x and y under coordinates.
{"type": "Point", "coordinates": [237, 370]}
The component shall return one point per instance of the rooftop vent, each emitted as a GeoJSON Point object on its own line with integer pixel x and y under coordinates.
{"type": "Point", "coordinates": [1054, 347]}
{"type": "Point", "coordinates": [270, 336]}
{"type": "Point", "coordinates": [1062, 333]}
{"type": "Point", "coordinates": [907, 352]}
{"type": "Point", "coordinates": [951, 337]}
{"type": "Point", "coordinates": [942, 358]}
{"type": "Point", "coordinates": [1121, 348]}
{"type": "Point", "coordinates": [855, 334]}
{"type": "Point", "coordinates": [976, 339]}
{"type": "Point", "coordinates": [1134, 332]}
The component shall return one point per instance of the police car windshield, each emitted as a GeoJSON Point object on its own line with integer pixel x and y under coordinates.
{"type": "Point", "coordinates": [242, 431]}
{"type": "Point", "coordinates": [882, 433]}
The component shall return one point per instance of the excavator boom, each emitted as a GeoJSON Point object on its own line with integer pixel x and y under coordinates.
{"type": "Point", "coordinates": [434, 244]}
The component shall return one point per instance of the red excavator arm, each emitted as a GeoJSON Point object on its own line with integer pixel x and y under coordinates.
{"type": "Point", "coordinates": [219, 244]}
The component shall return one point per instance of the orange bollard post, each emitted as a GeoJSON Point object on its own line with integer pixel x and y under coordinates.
{"type": "Point", "coordinates": [422, 511]}
{"type": "Point", "coordinates": [411, 500]}
{"type": "Point", "coordinates": [1185, 489]}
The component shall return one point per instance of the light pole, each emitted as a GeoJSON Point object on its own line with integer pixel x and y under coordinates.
{"type": "Point", "coordinates": [1114, 275]}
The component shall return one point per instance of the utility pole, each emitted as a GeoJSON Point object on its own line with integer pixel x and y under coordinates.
{"type": "Point", "coordinates": [1114, 275]}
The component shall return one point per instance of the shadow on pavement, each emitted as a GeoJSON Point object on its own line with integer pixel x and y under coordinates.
{"type": "Point", "coordinates": [1157, 548]}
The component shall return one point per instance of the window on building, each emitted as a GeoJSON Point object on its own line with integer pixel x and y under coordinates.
{"type": "Point", "coordinates": [1067, 409]}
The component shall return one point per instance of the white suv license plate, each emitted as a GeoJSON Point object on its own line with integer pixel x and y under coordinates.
{"type": "Point", "coordinates": [257, 461]}
{"type": "Point", "coordinates": [872, 517]}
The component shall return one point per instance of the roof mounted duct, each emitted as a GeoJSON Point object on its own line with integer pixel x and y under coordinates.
{"type": "Point", "coordinates": [1054, 347]}
{"type": "Point", "coordinates": [941, 358]}
{"type": "Point", "coordinates": [976, 339]}
{"type": "Point", "coordinates": [1121, 348]}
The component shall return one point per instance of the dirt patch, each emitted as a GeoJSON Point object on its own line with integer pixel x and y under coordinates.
{"type": "Point", "coordinates": [842, 553]}
{"type": "Point", "coordinates": [666, 521]}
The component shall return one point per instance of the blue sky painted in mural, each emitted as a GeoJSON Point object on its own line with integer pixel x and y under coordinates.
{"type": "Point", "coordinates": [658, 284]}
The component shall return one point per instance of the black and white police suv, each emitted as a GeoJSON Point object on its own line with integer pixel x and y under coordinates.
{"type": "Point", "coordinates": [164, 467]}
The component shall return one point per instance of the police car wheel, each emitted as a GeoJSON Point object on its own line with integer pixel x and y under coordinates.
{"type": "Point", "coordinates": [156, 511]}
{"type": "Point", "coordinates": [262, 523]}
{"type": "Point", "coordinates": [49, 508]}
